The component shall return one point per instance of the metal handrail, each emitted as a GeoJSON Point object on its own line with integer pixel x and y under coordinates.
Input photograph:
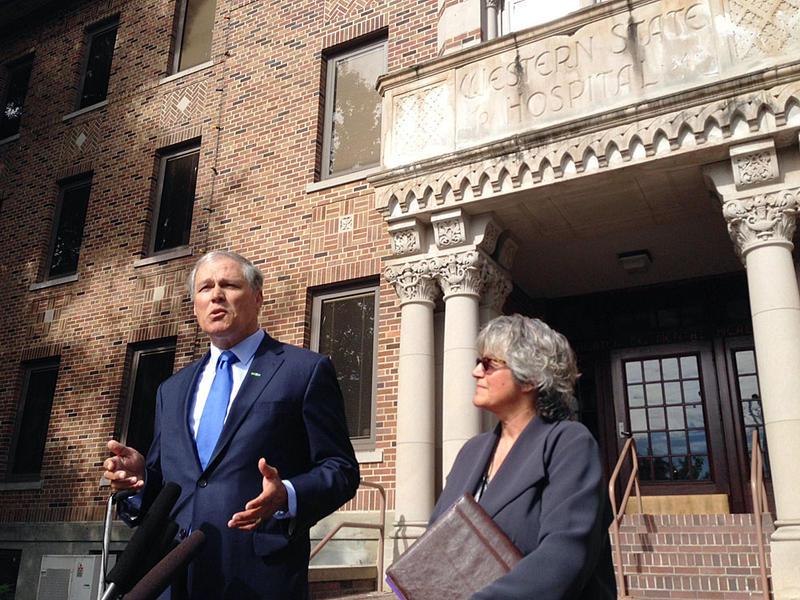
{"type": "Point", "coordinates": [760, 503]}
{"type": "Point", "coordinates": [380, 527]}
{"type": "Point", "coordinates": [628, 449]}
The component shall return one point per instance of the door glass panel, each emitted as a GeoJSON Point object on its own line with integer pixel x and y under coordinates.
{"type": "Point", "coordinates": [654, 395]}
{"type": "Point", "coordinates": [670, 367]}
{"type": "Point", "coordinates": [670, 434]}
{"type": "Point", "coordinates": [675, 418]}
{"type": "Point", "coordinates": [688, 366]}
{"type": "Point", "coordinates": [749, 398]}
{"type": "Point", "coordinates": [633, 372]}
{"type": "Point", "coordinates": [672, 392]}
{"type": "Point", "coordinates": [691, 391]}
{"type": "Point", "coordinates": [657, 418]}
{"type": "Point", "coordinates": [652, 371]}
{"type": "Point", "coordinates": [635, 395]}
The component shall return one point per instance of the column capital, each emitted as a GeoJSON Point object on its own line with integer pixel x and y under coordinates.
{"type": "Point", "coordinates": [762, 219]}
{"type": "Point", "coordinates": [497, 286]}
{"type": "Point", "coordinates": [413, 281]}
{"type": "Point", "coordinates": [460, 273]}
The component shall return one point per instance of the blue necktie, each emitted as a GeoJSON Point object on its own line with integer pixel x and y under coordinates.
{"type": "Point", "coordinates": [216, 407]}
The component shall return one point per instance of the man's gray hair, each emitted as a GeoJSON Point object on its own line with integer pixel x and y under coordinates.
{"type": "Point", "coordinates": [249, 270]}
{"type": "Point", "coordinates": [536, 355]}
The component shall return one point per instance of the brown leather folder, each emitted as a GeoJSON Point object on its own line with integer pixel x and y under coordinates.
{"type": "Point", "coordinates": [460, 554]}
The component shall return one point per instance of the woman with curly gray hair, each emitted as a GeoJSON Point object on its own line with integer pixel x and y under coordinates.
{"type": "Point", "coordinates": [538, 474]}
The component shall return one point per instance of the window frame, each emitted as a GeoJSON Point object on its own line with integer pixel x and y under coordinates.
{"type": "Point", "coordinates": [337, 292]}
{"type": "Point", "coordinates": [331, 61]}
{"type": "Point", "coordinates": [64, 187]}
{"type": "Point", "coordinates": [180, 26]}
{"type": "Point", "coordinates": [29, 369]}
{"type": "Point", "coordinates": [92, 33]}
{"type": "Point", "coordinates": [163, 158]}
{"type": "Point", "coordinates": [11, 68]}
{"type": "Point", "coordinates": [135, 353]}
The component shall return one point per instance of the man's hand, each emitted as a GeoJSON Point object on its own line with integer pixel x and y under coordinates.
{"type": "Point", "coordinates": [272, 499]}
{"type": "Point", "coordinates": [125, 470]}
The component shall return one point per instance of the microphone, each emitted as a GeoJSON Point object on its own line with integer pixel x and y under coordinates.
{"type": "Point", "coordinates": [148, 534]}
{"type": "Point", "coordinates": [160, 576]}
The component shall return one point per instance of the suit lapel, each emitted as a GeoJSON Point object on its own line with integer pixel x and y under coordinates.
{"type": "Point", "coordinates": [266, 361]}
{"type": "Point", "coordinates": [180, 411]}
{"type": "Point", "coordinates": [523, 467]}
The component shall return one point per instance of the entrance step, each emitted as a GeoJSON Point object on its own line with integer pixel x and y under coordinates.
{"type": "Point", "coordinates": [703, 557]}
{"type": "Point", "coordinates": [326, 582]}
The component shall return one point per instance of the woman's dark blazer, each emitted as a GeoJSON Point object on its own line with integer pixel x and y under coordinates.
{"type": "Point", "coordinates": [549, 498]}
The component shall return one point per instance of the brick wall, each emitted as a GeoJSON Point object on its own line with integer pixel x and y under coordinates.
{"type": "Point", "coordinates": [256, 111]}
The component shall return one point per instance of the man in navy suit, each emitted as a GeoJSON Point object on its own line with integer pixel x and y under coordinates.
{"type": "Point", "coordinates": [282, 461]}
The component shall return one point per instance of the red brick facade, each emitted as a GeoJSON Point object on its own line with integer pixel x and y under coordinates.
{"type": "Point", "coordinates": [256, 110]}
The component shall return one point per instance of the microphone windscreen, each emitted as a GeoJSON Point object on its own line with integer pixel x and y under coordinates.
{"type": "Point", "coordinates": [147, 534]}
{"type": "Point", "coordinates": [159, 549]}
{"type": "Point", "coordinates": [160, 576]}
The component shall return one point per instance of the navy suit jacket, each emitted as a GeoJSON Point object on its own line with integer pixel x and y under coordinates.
{"type": "Point", "coordinates": [288, 410]}
{"type": "Point", "coordinates": [549, 498]}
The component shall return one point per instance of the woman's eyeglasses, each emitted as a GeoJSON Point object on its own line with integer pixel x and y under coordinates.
{"type": "Point", "coordinates": [490, 364]}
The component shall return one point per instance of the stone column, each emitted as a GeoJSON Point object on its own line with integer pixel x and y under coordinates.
{"type": "Point", "coordinates": [760, 208]}
{"type": "Point", "coordinates": [466, 243]}
{"type": "Point", "coordinates": [459, 275]}
{"type": "Point", "coordinates": [414, 470]}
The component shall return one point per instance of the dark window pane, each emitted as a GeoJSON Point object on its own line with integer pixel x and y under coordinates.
{"type": "Point", "coordinates": [347, 330]}
{"type": "Point", "coordinates": [658, 439]}
{"type": "Point", "coordinates": [152, 368]}
{"type": "Point", "coordinates": [661, 469]}
{"type": "Point", "coordinates": [16, 90]}
{"type": "Point", "coordinates": [642, 442]}
{"type": "Point", "coordinates": [355, 124]}
{"type": "Point", "coordinates": [98, 67]}
{"type": "Point", "coordinates": [176, 202]}
{"type": "Point", "coordinates": [198, 24]}
{"type": "Point", "coordinates": [69, 230]}
{"type": "Point", "coordinates": [677, 442]}
{"type": "Point", "coordinates": [32, 432]}
{"type": "Point", "coordinates": [9, 569]}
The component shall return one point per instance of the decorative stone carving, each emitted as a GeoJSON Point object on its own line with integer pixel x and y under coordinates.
{"type": "Point", "coordinates": [754, 164]}
{"type": "Point", "coordinates": [449, 229]}
{"type": "Point", "coordinates": [762, 219]}
{"type": "Point", "coordinates": [407, 236]}
{"type": "Point", "coordinates": [508, 251]}
{"type": "Point", "coordinates": [413, 281]}
{"type": "Point", "coordinates": [460, 272]}
{"type": "Point", "coordinates": [491, 233]}
{"type": "Point", "coordinates": [497, 286]}
{"type": "Point", "coordinates": [519, 169]}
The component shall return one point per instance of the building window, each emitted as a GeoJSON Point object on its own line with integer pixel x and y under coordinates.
{"type": "Point", "coordinates": [193, 40]}
{"type": "Point", "coordinates": [33, 420]}
{"type": "Point", "coordinates": [516, 15]}
{"type": "Point", "coordinates": [150, 364]}
{"type": "Point", "coordinates": [17, 77]}
{"type": "Point", "coordinates": [172, 217]}
{"type": "Point", "coordinates": [343, 326]}
{"type": "Point", "coordinates": [9, 570]}
{"type": "Point", "coordinates": [97, 67]}
{"type": "Point", "coordinates": [351, 138]}
{"type": "Point", "coordinates": [70, 218]}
